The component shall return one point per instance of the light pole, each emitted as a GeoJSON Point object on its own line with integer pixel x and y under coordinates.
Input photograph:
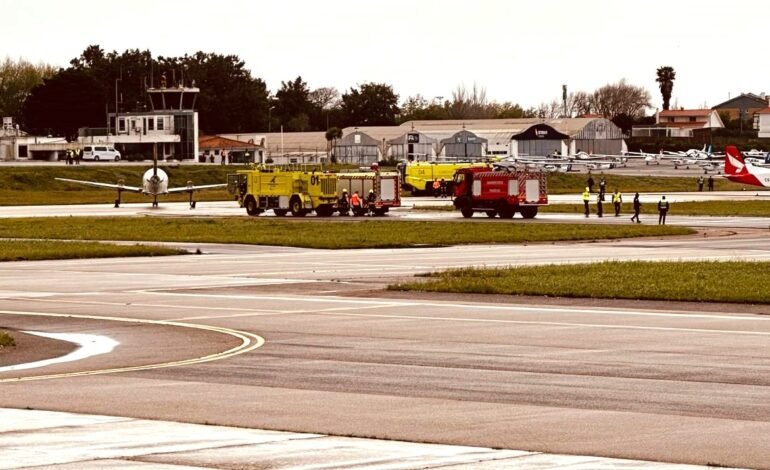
{"type": "Point", "coordinates": [270, 119]}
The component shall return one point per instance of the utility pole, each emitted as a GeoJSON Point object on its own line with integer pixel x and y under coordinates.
{"type": "Point", "coordinates": [564, 98]}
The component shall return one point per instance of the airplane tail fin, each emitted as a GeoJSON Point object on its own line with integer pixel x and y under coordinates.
{"type": "Point", "coordinates": [734, 164]}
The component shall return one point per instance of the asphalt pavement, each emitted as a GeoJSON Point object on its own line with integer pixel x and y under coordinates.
{"type": "Point", "coordinates": [297, 340]}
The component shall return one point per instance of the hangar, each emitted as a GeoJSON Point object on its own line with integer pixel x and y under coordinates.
{"type": "Point", "coordinates": [463, 145]}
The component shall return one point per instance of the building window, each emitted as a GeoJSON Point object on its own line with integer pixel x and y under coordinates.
{"type": "Point", "coordinates": [121, 125]}
{"type": "Point", "coordinates": [756, 121]}
{"type": "Point", "coordinates": [692, 118]}
{"type": "Point", "coordinates": [160, 124]}
{"type": "Point", "coordinates": [151, 124]}
{"type": "Point", "coordinates": [670, 119]}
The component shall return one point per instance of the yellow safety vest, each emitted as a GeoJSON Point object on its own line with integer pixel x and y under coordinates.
{"type": "Point", "coordinates": [616, 197]}
{"type": "Point", "coordinates": [586, 196]}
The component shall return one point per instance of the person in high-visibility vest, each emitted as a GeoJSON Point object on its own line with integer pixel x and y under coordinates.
{"type": "Point", "coordinates": [617, 200]}
{"type": "Point", "coordinates": [662, 210]}
{"type": "Point", "coordinates": [586, 199]}
{"type": "Point", "coordinates": [355, 200]}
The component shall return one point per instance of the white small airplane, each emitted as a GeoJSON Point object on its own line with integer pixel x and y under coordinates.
{"type": "Point", "coordinates": [741, 171]}
{"type": "Point", "coordinates": [154, 183]}
{"type": "Point", "coordinates": [648, 157]}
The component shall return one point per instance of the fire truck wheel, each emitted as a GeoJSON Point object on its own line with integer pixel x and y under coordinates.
{"type": "Point", "coordinates": [280, 212]}
{"type": "Point", "coordinates": [251, 206]}
{"type": "Point", "coordinates": [529, 212]}
{"type": "Point", "coordinates": [466, 211]}
{"type": "Point", "coordinates": [491, 214]}
{"type": "Point", "coordinates": [296, 207]}
{"type": "Point", "coordinates": [505, 211]}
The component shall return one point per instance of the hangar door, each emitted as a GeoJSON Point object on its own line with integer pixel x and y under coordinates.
{"type": "Point", "coordinates": [539, 148]}
{"type": "Point", "coordinates": [539, 140]}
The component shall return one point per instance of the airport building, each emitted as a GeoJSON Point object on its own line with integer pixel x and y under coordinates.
{"type": "Point", "coordinates": [449, 140]}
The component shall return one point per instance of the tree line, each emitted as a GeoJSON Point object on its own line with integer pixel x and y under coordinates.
{"type": "Point", "coordinates": [46, 100]}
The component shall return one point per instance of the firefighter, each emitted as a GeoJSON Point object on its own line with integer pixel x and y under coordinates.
{"type": "Point", "coordinates": [617, 200]}
{"type": "Point", "coordinates": [355, 203]}
{"type": "Point", "coordinates": [602, 188]}
{"type": "Point", "coordinates": [586, 199]}
{"type": "Point", "coordinates": [443, 188]}
{"type": "Point", "coordinates": [344, 203]}
{"type": "Point", "coordinates": [371, 200]}
{"type": "Point", "coordinates": [69, 157]}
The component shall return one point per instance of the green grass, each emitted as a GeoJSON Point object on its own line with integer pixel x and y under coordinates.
{"type": "Point", "coordinates": [316, 233]}
{"type": "Point", "coordinates": [6, 340]}
{"type": "Point", "coordinates": [684, 281]}
{"type": "Point", "coordinates": [36, 185]}
{"type": "Point", "coordinates": [568, 183]}
{"type": "Point", "coordinates": [715, 208]}
{"type": "Point", "coordinates": [26, 250]}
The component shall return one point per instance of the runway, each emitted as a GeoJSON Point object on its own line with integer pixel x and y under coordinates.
{"type": "Point", "coordinates": [676, 384]}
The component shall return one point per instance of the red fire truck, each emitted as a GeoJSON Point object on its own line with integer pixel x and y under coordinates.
{"type": "Point", "coordinates": [500, 193]}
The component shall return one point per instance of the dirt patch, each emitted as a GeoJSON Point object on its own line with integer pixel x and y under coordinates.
{"type": "Point", "coordinates": [31, 348]}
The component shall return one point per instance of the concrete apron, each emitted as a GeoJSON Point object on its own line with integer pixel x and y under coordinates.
{"type": "Point", "coordinates": [31, 438]}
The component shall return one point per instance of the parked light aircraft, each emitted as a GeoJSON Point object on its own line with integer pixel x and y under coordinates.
{"type": "Point", "coordinates": [154, 183]}
{"type": "Point", "coordinates": [741, 171]}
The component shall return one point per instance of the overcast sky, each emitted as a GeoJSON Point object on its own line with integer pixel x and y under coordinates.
{"type": "Point", "coordinates": [520, 51]}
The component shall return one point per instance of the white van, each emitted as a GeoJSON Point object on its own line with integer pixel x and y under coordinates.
{"type": "Point", "coordinates": [100, 152]}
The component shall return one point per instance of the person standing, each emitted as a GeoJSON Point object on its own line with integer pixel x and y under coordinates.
{"type": "Point", "coordinates": [69, 156]}
{"type": "Point", "coordinates": [637, 208]}
{"type": "Point", "coordinates": [711, 183]}
{"type": "Point", "coordinates": [371, 201]}
{"type": "Point", "coordinates": [662, 210]}
{"type": "Point", "coordinates": [443, 188]}
{"type": "Point", "coordinates": [590, 182]}
{"type": "Point", "coordinates": [700, 184]}
{"type": "Point", "coordinates": [602, 188]}
{"type": "Point", "coordinates": [599, 208]}
{"type": "Point", "coordinates": [76, 155]}
{"type": "Point", "coordinates": [586, 199]}
{"type": "Point", "coordinates": [617, 200]}
{"type": "Point", "coordinates": [436, 187]}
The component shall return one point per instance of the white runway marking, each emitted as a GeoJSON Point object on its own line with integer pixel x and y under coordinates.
{"type": "Point", "coordinates": [464, 306]}
{"type": "Point", "coordinates": [90, 345]}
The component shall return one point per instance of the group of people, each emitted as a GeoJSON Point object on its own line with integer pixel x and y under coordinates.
{"type": "Point", "coordinates": [359, 205]}
{"type": "Point", "coordinates": [710, 183]}
{"type": "Point", "coordinates": [617, 201]}
{"type": "Point", "coordinates": [73, 156]}
{"type": "Point", "coordinates": [440, 188]}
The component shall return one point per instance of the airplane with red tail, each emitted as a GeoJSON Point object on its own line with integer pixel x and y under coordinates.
{"type": "Point", "coordinates": [741, 171]}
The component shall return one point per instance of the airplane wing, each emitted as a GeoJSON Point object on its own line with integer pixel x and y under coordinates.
{"type": "Point", "coordinates": [97, 184]}
{"type": "Point", "coordinates": [187, 189]}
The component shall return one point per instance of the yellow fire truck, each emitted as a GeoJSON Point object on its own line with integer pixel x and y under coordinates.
{"type": "Point", "coordinates": [418, 177]}
{"type": "Point", "coordinates": [295, 191]}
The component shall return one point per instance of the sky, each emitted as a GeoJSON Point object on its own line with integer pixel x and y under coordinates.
{"type": "Point", "coordinates": [519, 51]}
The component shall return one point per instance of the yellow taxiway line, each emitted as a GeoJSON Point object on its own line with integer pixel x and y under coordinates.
{"type": "Point", "coordinates": [249, 342]}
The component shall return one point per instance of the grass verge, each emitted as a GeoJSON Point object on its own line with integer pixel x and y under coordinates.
{"type": "Point", "coordinates": [684, 281]}
{"type": "Point", "coordinates": [316, 233]}
{"type": "Point", "coordinates": [703, 208]}
{"type": "Point", "coordinates": [29, 250]}
{"type": "Point", "coordinates": [6, 340]}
